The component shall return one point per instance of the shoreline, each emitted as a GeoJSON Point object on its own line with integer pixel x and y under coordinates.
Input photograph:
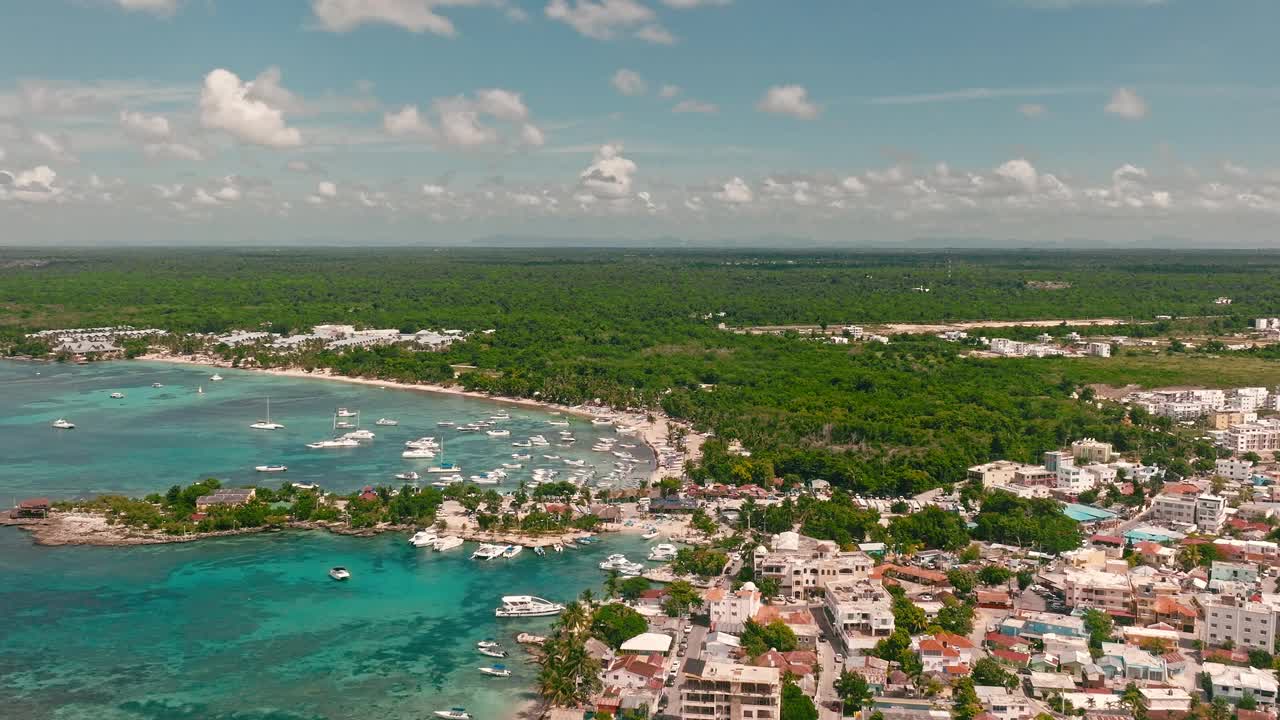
{"type": "Point", "coordinates": [653, 431]}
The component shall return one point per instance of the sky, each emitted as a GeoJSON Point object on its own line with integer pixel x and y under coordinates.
{"type": "Point", "coordinates": [844, 123]}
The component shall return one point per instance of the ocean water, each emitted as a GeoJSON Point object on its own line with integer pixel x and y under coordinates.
{"type": "Point", "coordinates": [157, 437]}
{"type": "Point", "coordinates": [252, 628]}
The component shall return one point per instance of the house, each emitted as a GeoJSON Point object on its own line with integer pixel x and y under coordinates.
{"type": "Point", "coordinates": [633, 672]}
{"type": "Point", "coordinates": [801, 622]}
{"type": "Point", "coordinates": [1127, 662]}
{"type": "Point", "coordinates": [862, 607]}
{"type": "Point", "coordinates": [1044, 684]}
{"type": "Point", "coordinates": [1166, 699]}
{"type": "Point", "coordinates": [673, 505]}
{"type": "Point", "coordinates": [1233, 683]}
{"type": "Point", "coordinates": [998, 599]}
{"type": "Point", "coordinates": [801, 664]}
{"type": "Point", "coordinates": [730, 610]}
{"type": "Point", "coordinates": [647, 644]}
{"type": "Point", "coordinates": [1234, 572]}
{"type": "Point", "coordinates": [1036, 624]}
{"type": "Point", "coordinates": [31, 508]}
{"type": "Point", "coordinates": [998, 641]}
{"type": "Point", "coordinates": [944, 650]}
{"type": "Point", "coordinates": [225, 497]}
{"type": "Point", "coordinates": [1003, 704]}
{"type": "Point", "coordinates": [721, 645]}
{"type": "Point", "coordinates": [803, 566]}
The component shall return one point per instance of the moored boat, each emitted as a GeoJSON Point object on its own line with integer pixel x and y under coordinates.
{"type": "Point", "coordinates": [496, 670]}
{"type": "Point", "coordinates": [453, 714]}
{"type": "Point", "coordinates": [339, 573]}
{"type": "Point", "coordinates": [271, 468]}
{"type": "Point", "coordinates": [527, 606]}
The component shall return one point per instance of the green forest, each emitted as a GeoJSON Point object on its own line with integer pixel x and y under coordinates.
{"type": "Point", "coordinates": [640, 329]}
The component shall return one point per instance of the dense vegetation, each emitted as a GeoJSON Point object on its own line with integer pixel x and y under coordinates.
{"type": "Point", "coordinates": [639, 329]}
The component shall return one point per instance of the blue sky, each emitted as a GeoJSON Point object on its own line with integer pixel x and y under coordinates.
{"type": "Point", "coordinates": [845, 122]}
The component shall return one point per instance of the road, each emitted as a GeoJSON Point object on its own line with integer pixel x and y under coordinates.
{"type": "Point", "coordinates": [670, 697]}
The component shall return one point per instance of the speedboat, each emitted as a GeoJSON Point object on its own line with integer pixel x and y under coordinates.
{"type": "Point", "coordinates": [453, 714]}
{"type": "Point", "coordinates": [386, 422]}
{"type": "Point", "coordinates": [157, 385]}
{"type": "Point", "coordinates": [575, 463]}
{"type": "Point", "coordinates": [538, 440]}
{"type": "Point", "coordinates": [271, 468]}
{"type": "Point", "coordinates": [522, 444]}
{"type": "Point", "coordinates": [650, 534]}
{"type": "Point", "coordinates": [518, 456]}
{"type": "Point", "coordinates": [512, 551]}
{"type": "Point", "coordinates": [490, 643]}
{"type": "Point", "coordinates": [500, 417]}
{"type": "Point", "coordinates": [558, 423]}
{"type": "Point", "coordinates": [215, 377]}
{"type": "Point", "coordinates": [512, 466]}
{"type": "Point", "coordinates": [116, 395]}
{"type": "Point", "coordinates": [537, 549]}
{"type": "Point", "coordinates": [339, 573]}
{"type": "Point", "coordinates": [496, 671]}
{"type": "Point", "coordinates": [411, 475]}
{"type": "Point", "coordinates": [527, 606]}
{"type": "Point", "coordinates": [418, 454]}
{"type": "Point", "coordinates": [487, 551]}
{"type": "Point", "coordinates": [498, 433]}
{"type": "Point", "coordinates": [495, 651]}
{"type": "Point", "coordinates": [448, 543]}
{"type": "Point", "coordinates": [343, 412]}
{"type": "Point", "coordinates": [61, 424]}
{"type": "Point", "coordinates": [359, 435]}
{"type": "Point", "coordinates": [424, 538]}
{"type": "Point", "coordinates": [338, 443]}
{"type": "Point", "coordinates": [267, 424]}
{"type": "Point", "coordinates": [663, 552]}
{"type": "Point", "coordinates": [558, 547]}
{"type": "Point", "coordinates": [601, 421]}
{"type": "Point", "coordinates": [445, 423]}
{"type": "Point", "coordinates": [444, 468]}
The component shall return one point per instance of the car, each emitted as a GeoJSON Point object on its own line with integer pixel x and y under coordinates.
{"type": "Point", "coordinates": [688, 628]}
{"type": "Point", "coordinates": [675, 666]}
{"type": "Point", "coordinates": [839, 659]}
{"type": "Point", "coordinates": [822, 638]}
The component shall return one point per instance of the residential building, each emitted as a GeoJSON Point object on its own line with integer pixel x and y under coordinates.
{"type": "Point", "coordinates": [730, 610]}
{"type": "Point", "coordinates": [1038, 624]}
{"type": "Point", "coordinates": [802, 566]}
{"type": "Point", "coordinates": [1166, 699]}
{"type": "Point", "coordinates": [224, 497]}
{"type": "Point", "coordinates": [1128, 662]}
{"type": "Point", "coordinates": [1099, 349]}
{"type": "Point", "coordinates": [998, 473]}
{"type": "Point", "coordinates": [1261, 436]}
{"type": "Point", "coordinates": [944, 651]}
{"type": "Point", "coordinates": [1089, 451]}
{"type": "Point", "coordinates": [1004, 704]}
{"type": "Point", "coordinates": [1073, 480]}
{"type": "Point", "coordinates": [1224, 419]}
{"type": "Point", "coordinates": [633, 672]}
{"type": "Point", "coordinates": [1246, 624]}
{"type": "Point", "coordinates": [1054, 458]}
{"type": "Point", "coordinates": [1182, 505]}
{"type": "Point", "coordinates": [1234, 572]}
{"type": "Point", "coordinates": [1238, 470]}
{"type": "Point", "coordinates": [726, 691]}
{"type": "Point", "coordinates": [1105, 591]}
{"type": "Point", "coordinates": [1233, 683]}
{"type": "Point", "coordinates": [861, 607]}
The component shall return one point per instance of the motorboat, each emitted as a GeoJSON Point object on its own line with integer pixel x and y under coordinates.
{"type": "Point", "coordinates": [215, 378]}
{"type": "Point", "coordinates": [445, 423]}
{"type": "Point", "coordinates": [518, 456]}
{"type": "Point", "coordinates": [512, 551]}
{"type": "Point", "coordinates": [522, 444]}
{"type": "Point", "coordinates": [487, 551]}
{"type": "Point", "coordinates": [343, 412]}
{"type": "Point", "coordinates": [422, 442]}
{"type": "Point", "coordinates": [157, 385]}
{"type": "Point", "coordinates": [386, 422]}
{"type": "Point", "coordinates": [527, 606]}
{"type": "Point", "coordinates": [490, 643]}
{"type": "Point", "coordinates": [359, 435]}
{"type": "Point", "coordinates": [424, 538]}
{"type": "Point", "coordinates": [558, 423]}
{"type": "Point", "coordinates": [500, 417]}
{"type": "Point", "coordinates": [342, 424]}
{"type": "Point", "coordinates": [650, 534]}
{"type": "Point", "coordinates": [63, 424]}
{"type": "Point", "coordinates": [418, 454]}
{"type": "Point", "coordinates": [538, 440]}
{"type": "Point", "coordinates": [117, 396]}
{"type": "Point", "coordinates": [339, 573]}
{"type": "Point", "coordinates": [551, 457]}
{"type": "Point", "coordinates": [621, 564]}
{"type": "Point", "coordinates": [267, 424]}
{"type": "Point", "coordinates": [575, 463]}
{"type": "Point", "coordinates": [449, 479]}
{"type": "Point", "coordinates": [558, 547]}
{"type": "Point", "coordinates": [663, 552]}
{"type": "Point", "coordinates": [453, 714]}
{"type": "Point", "coordinates": [538, 550]}
{"type": "Point", "coordinates": [498, 433]}
{"type": "Point", "coordinates": [496, 671]}
{"type": "Point", "coordinates": [601, 421]}
{"type": "Point", "coordinates": [271, 468]}
{"type": "Point", "coordinates": [411, 476]}
{"type": "Point", "coordinates": [444, 468]}
{"type": "Point", "coordinates": [469, 427]}
{"type": "Point", "coordinates": [336, 444]}
{"type": "Point", "coordinates": [496, 652]}
{"type": "Point", "coordinates": [447, 543]}
{"type": "Point", "coordinates": [484, 480]}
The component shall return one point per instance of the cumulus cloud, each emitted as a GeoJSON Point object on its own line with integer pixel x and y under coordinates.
{"type": "Point", "coordinates": [37, 185]}
{"type": "Point", "coordinates": [416, 16]}
{"type": "Point", "coordinates": [1021, 172]}
{"type": "Point", "coordinates": [694, 106]}
{"type": "Point", "coordinates": [226, 104]}
{"type": "Point", "coordinates": [735, 192]}
{"type": "Point", "coordinates": [790, 100]}
{"type": "Point", "coordinates": [629, 82]}
{"type": "Point", "coordinates": [407, 121]}
{"type": "Point", "coordinates": [688, 4]}
{"type": "Point", "coordinates": [1127, 104]}
{"type": "Point", "coordinates": [656, 34]}
{"type": "Point", "coordinates": [610, 175]}
{"type": "Point", "coordinates": [145, 127]}
{"type": "Point", "coordinates": [604, 19]}
{"type": "Point", "coordinates": [433, 190]}
{"type": "Point", "coordinates": [853, 185]}
{"type": "Point", "coordinates": [459, 121]}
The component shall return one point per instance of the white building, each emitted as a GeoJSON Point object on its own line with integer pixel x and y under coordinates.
{"type": "Point", "coordinates": [727, 691]}
{"type": "Point", "coordinates": [859, 608]}
{"type": "Point", "coordinates": [802, 566]}
{"type": "Point", "coordinates": [1206, 512]}
{"type": "Point", "coordinates": [1233, 683]}
{"type": "Point", "coordinates": [1248, 625]}
{"type": "Point", "coordinates": [1261, 436]}
{"type": "Point", "coordinates": [1099, 349]}
{"type": "Point", "coordinates": [1089, 451]}
{"type": "Point", "coordinates": [1238, 470]}
{"type": "Point", "coordinates": [730, 611]}
{"type": "Point", "coordinates": [1004, 704]}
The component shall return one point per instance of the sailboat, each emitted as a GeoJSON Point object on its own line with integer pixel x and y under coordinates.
{"type": "Point", "coordinates": [267, 424]}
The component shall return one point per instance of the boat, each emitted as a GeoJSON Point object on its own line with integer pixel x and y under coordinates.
{"type": "Point", "coordinates": [342, 424]}
{"type": "Point", "coordinates": [117, 395]}
{"type": "Point", "coordinates": [538, 440]}
{"type": "Point", "coordinates": [359, 435]}
{"type": "Point", "coordinates": [445, 423]}
{"type": "Point", "coordinates": [62, 424]}
{"type": "Point", "coordinates": [527, 606]}
{"type": "Point", "coordinates": [498, 433]}
{"type": "Point", "coordinates": [215, 378]}
{"type": "Point", "coordinates": [490, 643]}
{"type": "Point", "coordinates": [339, 573]}
{"type": "Point", "coordinates": [537, 549]}
{"type": "Point", "coordinates": [663, 552]}
{"type": "Point", "coordinates": [551, 457]}
{"type": "Point", "coordinates": [601, 421]}
{"type": "Point", "coordinates": [338, 443]}
{"type": "Point", "coordinates": [343, 412]}
{"type": "Point", "coordinates": [558, 547]}
{"type": "Point", "coordinates": [484, 480]}
{"type": "Point", "coordinates": [558, 423]}
{"type": "Point", "coordinates": [424, 538]}
{"type": "Point", "coordinates": [411, 475]}
{"type": "Point", "coordinates": [447, 479]}
{"type": "Point", "coordinates": [487, 551]}
{"type": "Point", "coordinates": [650, 534]}
{"type": "Point", "coordinates": [200, 390]}
{"type": "Point", "coordinates": [518, 456]}
{"type": "Point", "coordinates": [418, 454]}
{"type": "Point", "coordinates": [447, 543]}
{"type": "Point", "coordinates": [512, 551]}
{"type": "Point", "coordinates": [575, 463]}
{"type": "Point", "coordinates": [616, 561]}
{"type": "Point", "coordinates": [444, 468]}
{"type": "Point", "coordinates": [267, 424]}
{"type": "Point", "coordinates": [512, 466]}
{"type": "Point", "coordinates": [495, 651]}
{"type": "Point", "coordinates": [271, 468]}
{"type": "Point", "coordinates": [496, 671]}
{"type": "Point", "coordinates": [522, 444]}
{"type": "Point", "coordinates": [585, 540]}
{"type": "Point", "coordinates": [453, 714]}
{"type": "Point", "coordinates": [500, 417]}
{"type": "Point", "coordinates": [386, 422]}
{"type": "Point", "coordinates": [157, 385]}
{"type": "Point", "coordinates": [525, 638]}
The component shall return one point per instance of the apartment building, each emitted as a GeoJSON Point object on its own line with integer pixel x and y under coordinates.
{"type": "Point", "coordinates": [1233, 572]}
{"type": "Point", "coordinates": [1089, 451]}
{"type": "Point", "coordinates": [1249, 625]}
{"type": "Point", "coordinates": [1182, 506]}
{"type": "Point", "coordinates": [1238, 470]}
{"type": "Point", "coordinates": [1224, 419]}
{"type": "Point", "coordinates": [730, 610]}
{"type": "Point", "coordinates": [1233, 683]}
{"type": "Point", "coordinates": [1261, 436]}
{"type": "Point", "coordinates": [1000, 472]}
{"type": "Point", "coordinates": [726, 691]}
{"type": "Point", "coordinates": [1105, 591]}
{"type": "Point", "coordinates": [1073, 479]}
{"type": "Point", "coordinates": [802, 566]}
{"type": "Point", "coordinates": [1098, 349]}
{"type": "Point", "coordinates": [861, 607]}
{"type": "Point", "coordinates": [1054, 458]}
{"type": "Point", "coordinates": [1128, 662]}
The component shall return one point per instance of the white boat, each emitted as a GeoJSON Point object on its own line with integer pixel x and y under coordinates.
{"type": "Point", "coordinates": [343, 424]}
{"type": "Point", "coordinates": [339, 573]}
{"type": "Point", "coordinates": [117, 395]}
{"type": "Point", "coordinates": [200, 390]}
{"type": "Point", "coordinates": [512, 466]}
{"type": "Point", "coordinates": [359, 435]}
{"type": "Point", "coordinates": [484, 480]}
{"type": "Point", "coordinates": [271, 468]}
{"type": "Point", "coordinates": [496, 671]}
{"type": "Point", "coordinates": [335, 444]}
{"type": "Point", "coordinates": [488, 644]}
{"type": "Point", "coordinates": [538, 550]}
{"type": "Point", "coordinates": [411, 475]}
{"type": "Point", "coordinates": [444, 468]}
{"type": "Point", "coordinates": [551, 457]}
{"type": "Point", "coordinates": [522, 444]}
{"type": "Point", "coordinates": [621, 564]}
{"type": "Point", "coordinates": [500, 417]}
{"type": "Point", "coordinates": [424, 538]}
{"type": "Point", "coordinates": [61, 424]}
{"type": "Point", "coordinates": [267, 424]}
{"type": "Point", "coordinates": [575, 463]}
{"type": "Point", "coordinates": [527, 606]}
{"type": "Point", "coordinates": [601, 421]}
{"type": "Point", "coordinates": [157, 385]}
{"type": "Point", "coordinates": [512, 551]}
{"type": "Point", "coordinates": [558, 547]}
{"type": "Point", "coordinates": [538, 440]}
{"type": "Point", "coordinates": [386, 422]}
{"type": "Point", "coordinates": [453, 714]}
{"type": "Point", "coordinates": [498, 433]}
{"type": "Point", "coordinates": [447, 543]}
{"type": "Point", "coordinates": [447, 479]}
{"type": "Point", "coordinates": [663, 552]}
{"type": "Point", "coordinates": [445, 423]}
{"type": "Point", "coordinates": [343, 412]}
{"type": "Point", "coordinates": [487, 552]}
{"type": "Point", "coordinates": [418, 454]}
{"type": "Point", "coordinates": [650, 534]}
{"type": "Point", "coordinates": [518, 456]}
{"type": "Point", "coordinates": [558, 423]}
{"type": "Point", "coordinates": [215, 377]}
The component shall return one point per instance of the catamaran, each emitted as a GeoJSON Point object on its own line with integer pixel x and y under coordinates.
{"type": "Point", "coordinates": [527, 606]}
{"type": "Point", "coordinates": [663, 552]}
{"type": "Point", "coordinates": [267, 424]}
{"type": "Point", "coordinates": [487, 552]}
{"type": "Point", "coordinates": [343, 412]}
{"type": "Point", "coordinates": [418, 454]}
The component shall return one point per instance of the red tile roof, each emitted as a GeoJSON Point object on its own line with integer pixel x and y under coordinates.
{"type": "Point", "coordinates": [1014, 657]}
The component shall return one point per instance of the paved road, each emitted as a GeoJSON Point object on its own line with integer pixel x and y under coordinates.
{"type": "Point", "coordinates": [827, 676]}
{"type": "Point", "coordinates": [670, 702]}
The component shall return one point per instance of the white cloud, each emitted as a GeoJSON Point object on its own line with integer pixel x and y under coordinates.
{"type": "Point", "coordinates": [156, 7]}
{"type": "Point", "coordinates": [431, 190]}
{"type": "Point", "coordinates": [407, 121]}
{"type": "Point", "coordinates": [267, 88]}
{"type": "Point", "coordinates": [609, 175]}
{"type": "Point", "coordinates": [1127, 104]}
{"type": "Point", "coordinates": [327, 189]}
{"type": "Point", "coordinates": [413, 15]}
{"type": "Point", "coordinates": [1032, 110]}
{"type": "Point", "coordinates": [790, 100]}
{"type": "Point", "coordinates": [853, 185]}
{"type": "Point", "coordinates": [168, 192]}
{"type": "Point", "coordinates": [228, 193]}
{"type": "Point", "coordinates": [502, 104]}
{"type": "Point", "coordinates": [530, 135]}
{"type": "Point", "coordinates": [735, 192]}
{"type": "Point", "coordinates": [173, 150]}
{"type": "Point", "coordinates": [225, 104]}
{"type": "Point", "coordinates": [51, 145]}
{"type": "Point", "coordinates": [36, 185]}
{"type": "Point", "coordinates": [656, 34]}
{"type": "Point", "coordinates": [669, 91]}
{"type": "Point", "coordinates": [459, 122]}
{"type": "Point", "coordinates": [629, 82]}
{"type": "Point", "coordinates": [462, 129]}
{"type": "Point", "coordinates": [202, 197]}
{"type": "Point", "coordinates": [694, 106]}
{"type": "Point", "coordinates": [1022, 173]}
{"type": "Point", "coordinates": [604, 19]}
{"type": "Point", "coordinates": [145, 127]}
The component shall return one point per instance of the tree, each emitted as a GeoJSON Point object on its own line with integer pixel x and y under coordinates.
{"type": "Point", "coordinates": [1025, 578]}
{"type": "Point", "coordinates": [908, 615]}
{"type": "Point", "coordinates": [1133, 697]}
{"type": "Point", "coordinates": [971, 553]}
{"type": "Point", "coordinates": [796, 705]}
{"type": "Point", "coordinates": [965, 705]}
{"type": "Point", "coordinates": [932, 528]}
{"type": "Point", "coordinates": [1247, 702]}
{"type": "Point", "coordinates": [955, 617]}
{"type": "Point", "coordinates": [987, 671]}
{"type": "Point", "coordinates": [633, 587]}
{"type": "Point", "coordinates": [612, 584]}
{"type": "Point", "coordinates": [615, 624]}
{"type": "Point", "coordinates": [758, 639]}
{"type": "Point", "coordinates": [962, 580]}
{"type": "Point", "coordinates": [994, 574]}
{"type": "Point", "coordinates": [669, 486]}
{"type": "Point", "coordinates": [853, 690]}
{"type": "Point", "coordinates": [1100, 627]}
{"type": "Point", "coordinates": [681, 596]}
{"type": "Point", "coordinates": [703, 522]}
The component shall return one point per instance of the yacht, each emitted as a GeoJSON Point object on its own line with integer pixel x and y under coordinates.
{"type": "Point", "coordinates": [448, 543]}
{"type": "Point", "coordinates": [359, 435]}
{"type": "Point", "coordinates": [338, 443]}
{"type": "Point", "coordinates": [271, 468]}
{"type": "Point", "coordinates": [551, 457]}
{"type": "Point", "coordinates": [448, 479]}
{"type": "Point", "coordinates": [496, 671]}
{"type": "Point", "coordinates": [157, 385]}
{"type": "Point", "coordinates": [117, 395]}
{"type": "Point", "coordinates": [411, 476]}
{"type": "Point", "coordinates": [453, 714]}
{"type": "Point", "coordinates": [622, 565]}
{"type": "Point", "coordinates": [470, 427]}
{"type": "Point", "coordinates": [538, 440]}
{"type": "Point", "coordinates": [512, 466]}
{"type": "Point", "coordinates": [444, 468]}
{"type": "Point", "coordinates": [663, 552]}
{"type": "Point", "coordinates": [527, 606]}
{"type": "Point", "coordinates": [650, 534]}
{"type": "Point", "coordinates": [339, 573]}
{"type": "Point", "coordinates": [343, 412]}
{"type": "Point", "coordinates": [498, 433]}
{"type": "Point", "coordinates": [522, 444]}
{"type": "Point", "coordinates": [61, 424]}
{"type": "Point", "coordinates": [342, 424]}
{"type": "Point", "coordinates": [487, 551]}
{"type": "Point", "coordinates": [386, 422]}
{"type": "Point", "coordinates": [418, 454]}
{"type": "Point", "coordinates": [422, 442]}
{"type": "Point", "coordinates": [267, 424]}
{"type": "Point", "coordinates": [512, 551]}
{"type": "Point", "coordinates": [484, 480]}
{"type": "Point", "coordinates": [424, 538]}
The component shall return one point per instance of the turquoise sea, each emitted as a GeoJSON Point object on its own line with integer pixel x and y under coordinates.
{"type": "Point", "coordinates": [250, 628]}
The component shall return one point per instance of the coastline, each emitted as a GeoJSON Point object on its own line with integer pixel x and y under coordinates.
{"type": "Point", "coordinates": [651, 426]}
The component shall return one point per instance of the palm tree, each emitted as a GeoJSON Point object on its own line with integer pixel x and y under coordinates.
{"type": "Point", "coordinates": [1133, 697]}
{"type": "Point", "coordinates": [573, 618]}
{"type": "Point", "coordinates": [587, 597]}
{"type": "Point", "coordinates": [611, 584]}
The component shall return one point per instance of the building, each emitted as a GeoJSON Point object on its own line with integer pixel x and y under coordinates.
{"type": "Point", "coordinates": [944, 652]}
{"type": "Point", "coordinates": [729, 611]}
{"type": "Point", "coordinates": [1105, 591]}
{"type": "Point", "coordinates": [1238, 470]}
{"type": "Point", "coordinates": [31, 508]}
{"type": "Point", "coordinates": [1233, 572]}
{"type": "Point", "coordinates": [859, 608]}
{"type": "Point", "coordinates": [998, 473]}
{"type": "Point", "coordinates": [1002, 703]}
{"type": "Point", "coordinates": [633, 672]}
{"type": "Point", "coordinates": [1055, 458]}
{"type": "Point", "coordinates": [802, 566]}
{"type": "Point", "coordinates": [1034, 624]}
{"type": "Point", "coordinates": [1233, 683]}
{"type": "Point", "coordinates": [1247, 625]}
{"type": "Point", "coordinates": [1128, 662]}
{"type": "Point", "coordinates": [1098, 349]}
{"type": "Point", "coordinates": [1090, 451]}
{"type": "Point", "coordinates": [725, 691]}
{"type": "Point", "coordinates": [225, 497]}
{"type": "Point", "coordinates": [1224, 419]}
{"type": "Point", "coordinates": [1180, 505]}
{"type": "Point", "coordinates": [1261, 436]}
{"type": "Point", "coordinates": [1166, 699]}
